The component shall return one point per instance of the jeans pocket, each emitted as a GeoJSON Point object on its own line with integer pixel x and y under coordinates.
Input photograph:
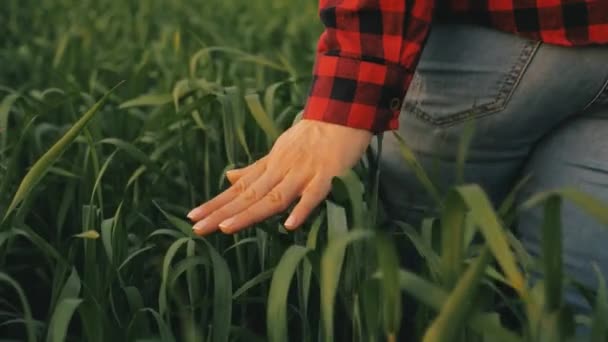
{"type": "Point", "coordinates": [466, 72]}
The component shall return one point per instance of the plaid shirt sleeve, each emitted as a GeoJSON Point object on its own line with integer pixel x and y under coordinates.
{"type": "Point", "coordinates": [365, 60]}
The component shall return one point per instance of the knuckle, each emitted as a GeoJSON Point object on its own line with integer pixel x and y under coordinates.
{"type": "Point", "coordinates": [240, 186]}
{"type": "Point", "coordinates": [250, 194]}
{"type": "Point", "coordinates": [277, 199]}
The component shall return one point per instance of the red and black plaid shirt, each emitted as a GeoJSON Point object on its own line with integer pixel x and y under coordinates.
{"type": "Point", "coordinates": [369, 49]}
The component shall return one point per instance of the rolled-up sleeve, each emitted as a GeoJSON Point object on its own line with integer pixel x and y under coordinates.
{"type": "Point", "coordinates": [365, 61]}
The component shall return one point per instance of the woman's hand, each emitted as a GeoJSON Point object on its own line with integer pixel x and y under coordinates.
{"type": "Point", "coordinates": [302, 163]}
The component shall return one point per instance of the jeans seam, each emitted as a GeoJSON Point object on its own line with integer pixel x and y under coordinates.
{"type": "Point", "coordinates": [601, 97]}
{"type": "Point", "coordinates": [509, 84]}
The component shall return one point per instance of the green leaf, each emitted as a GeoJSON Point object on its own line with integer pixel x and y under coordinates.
{"type": "Point", "coordinates": [27, 312]}
{"type": "Point", "coordinates": [71, 288]}
{"type": "Point", "coordinates": [40, 243]}
{"type": "Point", "coordinates": [269, 98]}
{"type": "Point", "coordinates": [261, 117]}
{"type": "Point", "coordinates": [136, 304]}
{"type": "Point", "coordinates": [107, 226]}
{"type": "Point", "coordinates": [599, 328]}
{"type": "Point", "coordinates": [5, 108]}
{"type": "Point", "coordinates": [131, 150]}
{"type": "Point", "coordinates": [4, 236]}
{"type": "Point", "coordinates": [147, 100]}
{"type": "Point", "coordinates": [61, 318]}
{"type": "Point", "coordinates": [258, 279]}
{"type": "Point", "coordinates": [168, 259]}
{"type": "Point", "coordinates": [102, 172]}
{"type": "Point", "coordinates": [222, 295]}
{"type": "Point", "coordinates": [331, 268]}
{"type": "Point", "coordinates": [464, 145]}
{"type": "Point", "coordinates": [37, 171]}
{"type": "Point", "coordinates": [452, 239]}
{"type": "Point", "coordinates": [178, 223]}
{"type": "Point", "coordinates": [132, 256]}
{"type": "Point", "coordinates": [488, 223]}
{"type": "Point", "coordinates": [424, 249]}
{"type": "Point", "coordinates": [347, 188]}
{"type": "Point", "coordinates": [509, 201]}
{"type": "Point", "coordinates": [388, 263]}
{"type": "Point", "coordinates": [435, 297]}
{"type": "Point", "coordinates": [421, 175]}
{"type": "Point", "coordinates": [165, 331]}
{"type": "Point", "coordinates": [337, 225]}
{"type": "Point", "coordinates": [588, 203]}
{"type": "Point", "coordinates": [455, 310]}
{"type": "Point", "coordinates": [552, 254]}
{"type": "Point", "coordinates": [279, 288]}
{"type": "Point", "coordinates": [311, 243]}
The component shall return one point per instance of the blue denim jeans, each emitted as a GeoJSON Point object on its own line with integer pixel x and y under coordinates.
{"type": "Point", "coordinates": [537, 109]}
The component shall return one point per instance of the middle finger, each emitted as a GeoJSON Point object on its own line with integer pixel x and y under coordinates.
{"type": "Point", "coordinates": [247, 195]}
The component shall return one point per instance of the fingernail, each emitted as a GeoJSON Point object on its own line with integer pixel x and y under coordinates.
{"type": "Point", "coordinates": [201, 226]}
{"type": "Point", "coordinates": [194, 212]}
{"type": "Point", "coordinates": [291, 221]}
{"type": "Point", "coordinates": [227, 223]}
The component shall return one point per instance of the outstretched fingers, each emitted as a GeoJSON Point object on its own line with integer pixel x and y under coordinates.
{"type": "Point", "coordinates": [313, 194]}
{"type": "Point", "coordinates": [248, 194]}
{"type": "Point", "coordinates": [235, 174]}
{"type": "Point", "coordinates": [276, 200]}
{"type": "Point", "coordinates": [228, 195]}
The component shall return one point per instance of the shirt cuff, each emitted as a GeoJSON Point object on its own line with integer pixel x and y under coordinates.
{"type": "Point", "coordinates": [357, 93]}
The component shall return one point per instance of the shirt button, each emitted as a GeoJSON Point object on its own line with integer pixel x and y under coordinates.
{"type": "Point", "coordinates": [395, 103]}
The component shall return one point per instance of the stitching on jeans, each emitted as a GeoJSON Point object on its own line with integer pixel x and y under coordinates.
{"type": "Point", "coordinates": [509, 84]}
{"type": "Point", "coordinates": [600, 98]}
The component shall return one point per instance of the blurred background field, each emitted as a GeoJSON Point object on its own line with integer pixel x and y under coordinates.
{"type": "Point", "coordinates": [94, 245]}
{"type": "Point", "coordinates": [167, 149]}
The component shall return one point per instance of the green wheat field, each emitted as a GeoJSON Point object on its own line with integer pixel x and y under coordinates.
{"type": "Point", "coordinates": [117, 117]}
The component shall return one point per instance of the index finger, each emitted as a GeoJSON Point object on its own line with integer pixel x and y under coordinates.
{"type": "Point", "coordinates": [226, 196]}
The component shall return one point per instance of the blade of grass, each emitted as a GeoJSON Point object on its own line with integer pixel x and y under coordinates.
{"type": "Point", "coordinates": [258, 279]}
{"type": "Point", "coordinates": [5, 108]}
{"type": "Point", "coordinates": [418, 170]}
{"type": "Point", "coordinates": [599, 329]}
{"type": "Point", "coordinates": [455, 310]}
{"type": "Point", "coordinates": [452, 236]}
{"type": "Point", "coordinates": [60, 320]}
{"type": "Point", "coordinates": [27, 313]}
{"type": "Point", "coordinates": [488, 223]}
{"type": "Point", "coordinates": [433, 262]}
{"type": "Point", "coordinates": [435, 297]}
{"type": "Point", "coordinates": [388, 263]}
{"type": "Point", "coordinates": [222, 295]}
{"type": "Point", "coordinates": [331, 268]}
{"type": "Point", "coordinates": [588, 203]}
{"type": "Point", "coordinates": [166, 269]}
{"type": "Point", "coordinates": [35, 174]}
{"type": "Point", "coordinates": [311, 244]}
{"type": "Point", "coordinates": [147, 100]}
{"type": "Point", "coordinates": [463, 148]}
{"type": "Point", "coordinates": [347, 188]}
{"type": "Point", "coordinates": [552, 254]}
{"type": "Point", "coordinates": [261, 117]}
{"type": "Point", "coordinates": [279, 289]}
